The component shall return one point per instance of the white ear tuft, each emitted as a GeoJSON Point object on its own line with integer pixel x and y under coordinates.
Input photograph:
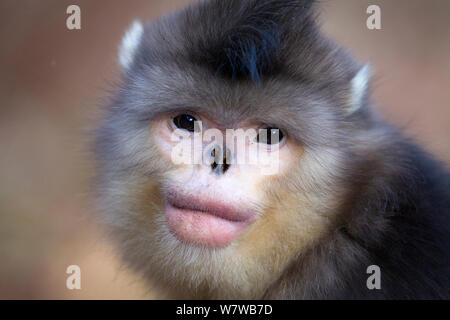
{"type": "Point", "coordinates": [130, 43]}
{"type": "Point", "coordinates": [359, 87]}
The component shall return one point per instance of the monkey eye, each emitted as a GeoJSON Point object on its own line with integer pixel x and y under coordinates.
{"type": "Point", "coordinates": [185, 122]}
{"type": "Point", "coordinates": [270, 136]}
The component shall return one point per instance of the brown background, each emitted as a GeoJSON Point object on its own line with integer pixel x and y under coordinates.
{"type": "Point", "coordinates": [53, 79]}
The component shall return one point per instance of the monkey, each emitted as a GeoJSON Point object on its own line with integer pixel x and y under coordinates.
{"type": "Point", "coordinates": [349, 191]}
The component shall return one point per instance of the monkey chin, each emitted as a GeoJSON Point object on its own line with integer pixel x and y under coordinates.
{"type": "Point", "coordinates": [210, 224]}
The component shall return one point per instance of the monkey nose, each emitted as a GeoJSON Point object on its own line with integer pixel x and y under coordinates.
{"type": "Point", "coordinates": [221, 160]}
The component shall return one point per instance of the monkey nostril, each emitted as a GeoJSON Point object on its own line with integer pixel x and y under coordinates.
{"type": "Point", "coordinates": [221, 162]}
{"type": "Point", "coordinates": [226, 160]}
{"type": "Point", "coordinates": [225, 167]}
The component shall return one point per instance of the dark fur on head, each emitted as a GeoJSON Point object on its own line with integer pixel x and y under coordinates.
{"type": "Point", "coordinates": [247, 41]}
{"type": "Point", "coordinates": [250, 40]}
{"type": "Point", "coordinates": [378, 198]}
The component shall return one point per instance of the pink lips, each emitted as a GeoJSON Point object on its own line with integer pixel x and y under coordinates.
{"type": "Point", "coordinates": [209, 223]}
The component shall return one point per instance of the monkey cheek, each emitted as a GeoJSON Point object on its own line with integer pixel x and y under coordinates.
{"type": "Point", "coordinates": [201, 228]}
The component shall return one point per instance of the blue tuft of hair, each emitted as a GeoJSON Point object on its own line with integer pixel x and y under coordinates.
{"type": "Point", "coordinates": [245, 37]}
{"type": "Point", "coordinates": [250, 52]}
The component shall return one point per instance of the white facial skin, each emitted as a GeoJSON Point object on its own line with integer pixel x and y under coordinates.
{"type": "Point", "coordinates": [210, 206]}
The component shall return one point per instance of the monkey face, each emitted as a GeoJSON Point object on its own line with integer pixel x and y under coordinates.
{"type": "Point", "coordinates": [217, 193]}
{"type": "Point", "coordinates": [216, 221]}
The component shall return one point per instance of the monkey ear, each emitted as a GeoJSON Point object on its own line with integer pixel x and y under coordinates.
{"type": "Point", "coordinates": [130, 43]}
{"type": "Point", "coordinates": [359, 88]}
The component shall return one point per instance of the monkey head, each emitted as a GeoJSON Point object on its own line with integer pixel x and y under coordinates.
{"type": "Point", "coordinates": [219, 225]}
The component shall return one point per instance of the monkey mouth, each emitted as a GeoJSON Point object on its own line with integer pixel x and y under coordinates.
{"type": "Point", "coordinates": [205, 223]}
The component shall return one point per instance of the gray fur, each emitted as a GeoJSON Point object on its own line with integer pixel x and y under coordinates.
{"type": "Point", "coordinates": [393, 203]}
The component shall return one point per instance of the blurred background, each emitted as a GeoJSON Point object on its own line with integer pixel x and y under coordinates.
{"type": "Point", "coordinates": [52, 81]}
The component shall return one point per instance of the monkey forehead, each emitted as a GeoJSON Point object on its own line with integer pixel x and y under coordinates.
{"type": "Point", "coordinates": [296, 108]}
